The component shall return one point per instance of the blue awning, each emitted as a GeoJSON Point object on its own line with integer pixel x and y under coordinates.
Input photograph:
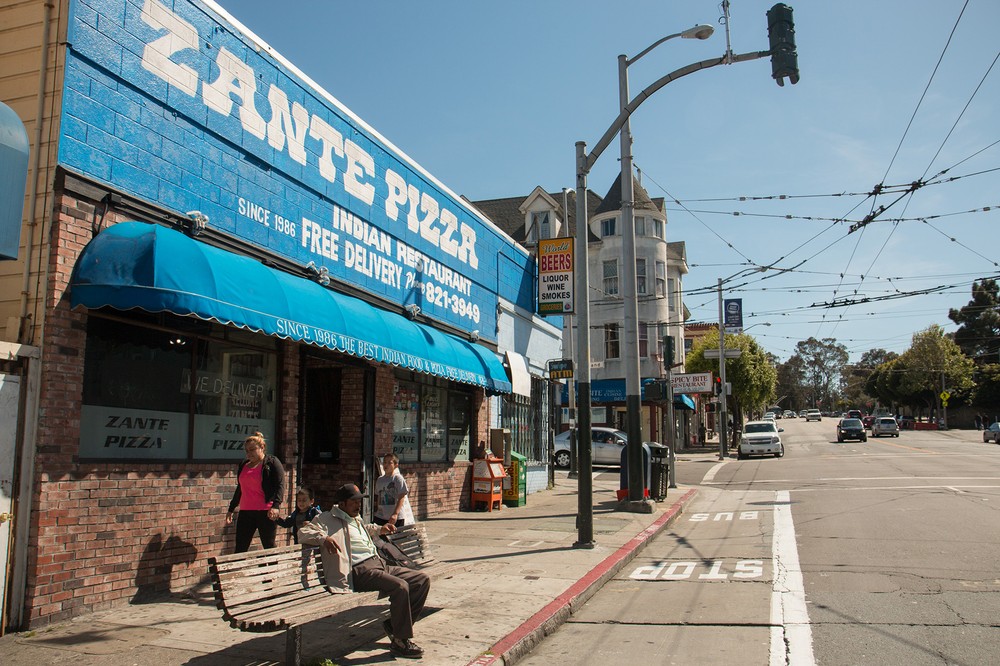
{"type": "Point", "coordinates": [153, 268]}
{"type": "Point", "coordinates": [683, 401]}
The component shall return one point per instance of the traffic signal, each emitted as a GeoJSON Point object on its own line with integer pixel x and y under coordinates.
{"type": "Point", "coordinates": [781, 36]}
{"type": "Point", "coordinates": [718, 386]}
{"type": "Point", "coordinates": [668, 352]}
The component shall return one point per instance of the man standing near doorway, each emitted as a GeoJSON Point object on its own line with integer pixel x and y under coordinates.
{"type": "Point", "coordinates": [351, 562]}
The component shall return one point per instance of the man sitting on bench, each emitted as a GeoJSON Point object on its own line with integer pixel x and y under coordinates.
{"type": "Point", "coordinates": [351, 562]}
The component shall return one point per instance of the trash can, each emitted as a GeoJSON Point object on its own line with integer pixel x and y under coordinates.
{"type": "Point", "coordinates": [623, 493]}
{"type": "Point", "coordinates": [517, 474]}
{"type": "Point", "coordinates": [659, 470]}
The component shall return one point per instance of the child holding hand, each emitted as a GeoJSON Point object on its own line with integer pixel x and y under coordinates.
{"type": "Point", "coordinates": [305, 510]}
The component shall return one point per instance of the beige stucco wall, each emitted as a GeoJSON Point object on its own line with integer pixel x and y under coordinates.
{"type": "Point", "coordinates": [22, 30]}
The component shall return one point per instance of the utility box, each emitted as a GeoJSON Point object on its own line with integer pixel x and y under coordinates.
{"type": "Point", "coordinates": [487, 483]}
{"type": "Point", "coordinates": [517, 480]}
{"type": "Point", "coordinates": [659, 470]}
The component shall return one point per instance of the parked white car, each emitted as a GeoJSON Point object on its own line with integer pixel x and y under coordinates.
{"type": "Point", "coordinates": [606, 447]}
{"type": "Point", "coordinates": [761, 438]}
{"type": "Point", "coordinates": [885, 425]}
{"type": "Point", "coordinates": [992, 434]}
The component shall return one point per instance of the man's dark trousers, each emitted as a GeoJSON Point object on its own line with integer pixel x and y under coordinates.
{"type": "Point", "coordinates": [406, 588]}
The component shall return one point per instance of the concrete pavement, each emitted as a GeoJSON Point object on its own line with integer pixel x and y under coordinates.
{"type": "Point", "coordinates": [524, 578]}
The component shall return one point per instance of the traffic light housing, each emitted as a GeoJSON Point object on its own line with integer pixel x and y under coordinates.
{"type": "Point", "coordinates": [718, 386]}
{"type": "Point", "coordinates": [781, 36]}
{"type": "Point", "coordinates": [668, 352]}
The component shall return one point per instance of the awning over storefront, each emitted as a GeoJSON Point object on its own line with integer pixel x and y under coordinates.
{"type": "Point", "coordinates": [683, 401]}
{"type": "Point", "coordinates": [153, 268]}
{"type": "Point", "coordinates": [520, 377]}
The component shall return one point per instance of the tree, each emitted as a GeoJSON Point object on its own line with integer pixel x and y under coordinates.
{"type": "Point", "coordinates": [823, 361]}
{"type": "Point", "coordinates": [978, 333]}
{"type": "Point", "coordinates": [752, 377]}
{"type": "Point", "coordinates": [858, 388]}
{"type": "Point", "coordinates": [792, 383]}
{"type": "Point", "coordinates": [934, 362]}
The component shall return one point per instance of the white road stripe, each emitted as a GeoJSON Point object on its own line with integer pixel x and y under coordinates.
{"type": "Point", "coordinates": [711, 473]}
{"type": "Point", "coordinates": [791, 633]}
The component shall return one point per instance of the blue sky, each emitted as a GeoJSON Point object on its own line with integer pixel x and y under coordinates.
{"type": "Point", "coordinates": [491, 97]}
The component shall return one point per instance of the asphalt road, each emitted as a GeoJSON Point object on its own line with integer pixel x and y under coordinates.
{"type": "Point", "coordinates": [879, 552]}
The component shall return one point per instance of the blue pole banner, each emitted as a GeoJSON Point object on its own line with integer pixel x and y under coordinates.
{"type": "Point", "coordinates": [180, 105]}
{"type": "Point", "coordinates": [733, 308]}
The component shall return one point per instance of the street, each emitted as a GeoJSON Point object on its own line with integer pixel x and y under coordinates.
{"type": "Point", "coordinates": [881, 552]}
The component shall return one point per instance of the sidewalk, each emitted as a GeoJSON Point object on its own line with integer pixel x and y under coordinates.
{"type": "Point", "coordinates": [524, 579]}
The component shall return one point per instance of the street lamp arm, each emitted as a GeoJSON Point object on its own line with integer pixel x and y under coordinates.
{"type": "Point", "coordinates": [652, 88]}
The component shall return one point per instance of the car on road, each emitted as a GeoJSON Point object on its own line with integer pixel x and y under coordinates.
{"type": "Point", "coordinates": [851, 429]}
{"type": "Point", "coordinates": [606, 445]}
{"type": "Point", "coordinates": [802, 413]}
{"type": "Point", "coordinates": [992, 434]}
{"type": "Point", "coordinates": [868, 420]}
{"type": "Point", "coordinates": [813, 415]}
{"type": "Point", "coordinates": [760, 438]}
{"type": "Point", "coordinates": [854, 414]}
{"type": "Point", "coordinates": [768, 416]}
{"type": "Point", "coordinates": [885, 425]}
{"type": "Point", "coordinates": [789, 414]}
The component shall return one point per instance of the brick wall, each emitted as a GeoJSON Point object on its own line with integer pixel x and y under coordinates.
{"type": "Point", "coordinates": [105, 534]}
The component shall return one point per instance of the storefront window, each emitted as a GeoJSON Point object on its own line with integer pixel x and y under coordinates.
{"type": "Point", "coordinates": [157, 394]}
{"type": "Point", "coordinates": [459, 422]}
{"type": "Point", "coordinates": [525, 418]}
{"type": "Point", "coordinates": [430, 423]}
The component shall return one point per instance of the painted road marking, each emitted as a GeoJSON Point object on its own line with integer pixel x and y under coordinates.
{"type": "Point", "coordinates": [724, 516]}
{"type": "Point", "coordinates": [712, 472]}
{"type": "Point", "coordinates": [791, 633]}
{"type": "Point", "coordinates": [685, 570]}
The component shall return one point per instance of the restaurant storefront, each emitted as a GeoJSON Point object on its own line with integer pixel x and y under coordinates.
{"type": "Point", "coordinates": [224, 249]}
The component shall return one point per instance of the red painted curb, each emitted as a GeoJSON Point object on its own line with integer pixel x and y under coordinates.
{"type": "Point", "coordinates": [564, 600]}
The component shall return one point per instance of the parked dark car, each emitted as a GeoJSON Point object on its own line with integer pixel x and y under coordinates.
{"type": "Point", "coordinates": [851, 429]}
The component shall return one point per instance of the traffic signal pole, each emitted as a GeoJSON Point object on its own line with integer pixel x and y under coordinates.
{"type": "Point", "coordinates": [723, 416]}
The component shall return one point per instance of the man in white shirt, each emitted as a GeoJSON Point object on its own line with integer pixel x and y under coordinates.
{"type": "Point", "coordinates": [351, 562]}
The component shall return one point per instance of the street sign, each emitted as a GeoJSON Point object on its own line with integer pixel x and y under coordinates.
{"type": "Point", "coordinates": [561, 369]}
{"type": "Point", "coordinates": [944, 395]}
{"type": "Point", "coordinates": [730, 353]}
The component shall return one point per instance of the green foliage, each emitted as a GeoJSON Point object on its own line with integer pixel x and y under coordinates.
{"type": "Point", "coordinates": [752, 376]}
{"type": "Point", "coordinates": [987, 392]}
{"type": "Point", "coordinates": [978, 333]}
{"type": "Point", "coordinates": [934, 362]}
{"type": "Point", "coordinates": [822, 361]}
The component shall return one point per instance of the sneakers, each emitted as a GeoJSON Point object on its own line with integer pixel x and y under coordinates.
{"type": "Point", "coordinates": [404, 647]}
{"type": "Point", "coordinates": [387, 625]}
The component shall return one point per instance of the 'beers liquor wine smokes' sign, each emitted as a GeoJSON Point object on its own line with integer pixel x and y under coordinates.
{"type": "Point", "coordinates": [555, 276]}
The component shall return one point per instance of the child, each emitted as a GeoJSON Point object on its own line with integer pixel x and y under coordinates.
{"type": "Point", "coordinates": [305, 510]}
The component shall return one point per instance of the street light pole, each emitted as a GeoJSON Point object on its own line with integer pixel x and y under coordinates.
{"type": "Point", "coordinates": [584, 162]}
{"type": "Point", "coordinates": [723, 417]}
{"type": "Point", "coordinates": [630, 301]}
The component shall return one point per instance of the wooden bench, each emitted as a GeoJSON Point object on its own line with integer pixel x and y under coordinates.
{"type": "Point", "coordinates": [282, 588]}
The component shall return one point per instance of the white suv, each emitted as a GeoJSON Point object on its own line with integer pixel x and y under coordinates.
{"type": "Point", "coordinates": [759, 438]}
{"type": "Point", "coordinates": [885, 425]}
{"type": "Point", "coordinates": [813, 415]}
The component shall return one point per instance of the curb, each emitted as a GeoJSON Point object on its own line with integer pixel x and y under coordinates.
{"type": "Point", "coordinates": [515, 645]}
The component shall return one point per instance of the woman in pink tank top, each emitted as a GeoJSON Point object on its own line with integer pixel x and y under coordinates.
{"type": "Point", "coordinates": [257, 499]}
